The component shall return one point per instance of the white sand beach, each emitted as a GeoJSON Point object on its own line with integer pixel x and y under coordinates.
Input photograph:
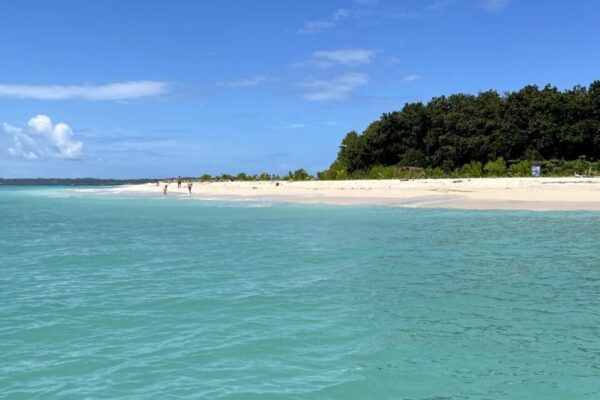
{"type": "Point", "coordinates": [477, 193]}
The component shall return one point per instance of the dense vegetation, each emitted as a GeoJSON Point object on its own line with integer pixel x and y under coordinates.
{"type": "Point", "coordinates": [477, 135]}
{"type": "Point", "coordinates": [298, 175]}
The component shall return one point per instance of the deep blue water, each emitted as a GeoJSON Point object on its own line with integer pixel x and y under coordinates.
{"type": "Point", "coordinates": [106, 297]}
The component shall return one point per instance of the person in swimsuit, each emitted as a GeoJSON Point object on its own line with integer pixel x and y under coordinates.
{"type": "Point", "coordinates": [165, 189]}
{"type": "Point", "coordinates": [189, 185]}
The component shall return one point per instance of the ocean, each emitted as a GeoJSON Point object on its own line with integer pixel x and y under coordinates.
{"type": "Point", "coordinates": [113, 297]}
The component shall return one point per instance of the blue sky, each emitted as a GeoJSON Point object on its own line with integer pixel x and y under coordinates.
{"type": "Point", "coordinates": [163, 88]}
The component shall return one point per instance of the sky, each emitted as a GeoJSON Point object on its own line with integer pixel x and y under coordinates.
{"type": "Point", "coordinates": [134, 89]}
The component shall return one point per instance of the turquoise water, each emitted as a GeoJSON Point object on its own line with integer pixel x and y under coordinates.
{"type": "Point", "coordinates": [104, 297]}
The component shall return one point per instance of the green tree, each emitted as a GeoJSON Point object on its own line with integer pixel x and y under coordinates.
{"type": "Point", "coordinates": [495, 168]}
{"type": "Point", "coordinates": [299, 175]}
{"type": "Point", "coordinates": [462, 129]}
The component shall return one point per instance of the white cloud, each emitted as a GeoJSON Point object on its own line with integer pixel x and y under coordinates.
{"type": "Point", "coordinates": [337, 88]}
{"type": "Point", "coordinates": [487, 5]}
{"type": "Point", "coordinates": [340, 14]}
{"type": "Point", "coordinates": [246, 82]}
{"type": "Point", "coordinates": [323, 25]}
{"type": "Point", "coordinates": [289, 125]}
{"type": "Point", "coordinates": [412, 78]}
{"type": "Point", "coordinates": [316, 26]}
{"type": "Point", "coordinates": [112, 91]}
{"type": "Point", "coordinates": [43, 139]}
{"type": "Point", "coordinates": [346, 56]}
{"type": "Point", "coordinates": [10, 129]}
{"type": "Point", "coordinates": [494, 5]}
{"type": "Point", "coordinates": [295, 125]}
{"type": "Point", "coordinates": [40, 124]}
{"type": "Point", "coordinates": [440, 5]}
{"type": "Point", "coordinates": [22, 143]}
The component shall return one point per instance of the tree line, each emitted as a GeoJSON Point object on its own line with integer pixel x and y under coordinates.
{"type": "Point", "coordinates": [297, 175]}
{"type": "Point", "coordinates": [483, 134]}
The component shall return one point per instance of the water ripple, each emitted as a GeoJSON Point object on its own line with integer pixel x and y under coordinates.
{"type": "Point", "coordinates": [132, 298]}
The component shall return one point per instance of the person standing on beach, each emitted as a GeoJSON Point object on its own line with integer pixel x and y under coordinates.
{"type": "Point", "coordinates": [179, 182]}
{"type": "Point", "coordinates": [165, 189]}
{"type": "Point", "coordinates": [189, 185]}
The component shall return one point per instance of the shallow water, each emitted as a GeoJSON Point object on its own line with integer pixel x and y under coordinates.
{"type": "Point", "coordinates": [145, 298]}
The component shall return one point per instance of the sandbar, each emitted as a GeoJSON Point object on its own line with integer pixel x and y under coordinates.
{"type": "Point", "coordinates": [539, 194]}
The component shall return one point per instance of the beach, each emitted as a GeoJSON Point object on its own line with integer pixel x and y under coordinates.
{"type": "Point", "coordinates": [537, 194]}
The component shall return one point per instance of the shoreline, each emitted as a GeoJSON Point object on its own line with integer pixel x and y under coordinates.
{"type": "Point", "coordinates": [536, 194]}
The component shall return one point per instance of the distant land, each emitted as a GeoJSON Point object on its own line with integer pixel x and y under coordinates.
{"type": "Point", "coordinates": [73, 181]}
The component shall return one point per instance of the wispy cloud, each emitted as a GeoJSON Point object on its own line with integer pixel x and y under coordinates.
{"type": "Point", "coordinates": [493, 5]}
{"type": "Point", "coordinates": [366, 2]}
{"type": "Point", "coordinates": [343, 57]}
{"type": "Point", "coordinates": [43, 139]}
{"type": "Point", "coordinates": [288, 125]}
{"type": "Point", "coordinates": [245, 82]}
{"type": "Point", "coordinates": [392, 60]}
{"type": "Point", "coordinates": [113, 91]}
{"type": "Point", "coordinates": [439, 4]}
{"type": "Point", "coordinates": [337, 88]}
{"type": "Point", "coordinates": [346, 57]}
{"type": "Point", "coordinates": [317, 26]}
{"type": "Point", "coordinates": [295, 125]}
{"type": "Point", "coordinates": [363, 13]}
{"type": "Point", "coordinates": [412, 78]}
{"type": "Point", "coordinates": [325, 24]}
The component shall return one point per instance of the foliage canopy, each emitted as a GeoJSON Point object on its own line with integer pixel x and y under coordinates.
{"type": "Point", "coordinates": [473, 135]}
